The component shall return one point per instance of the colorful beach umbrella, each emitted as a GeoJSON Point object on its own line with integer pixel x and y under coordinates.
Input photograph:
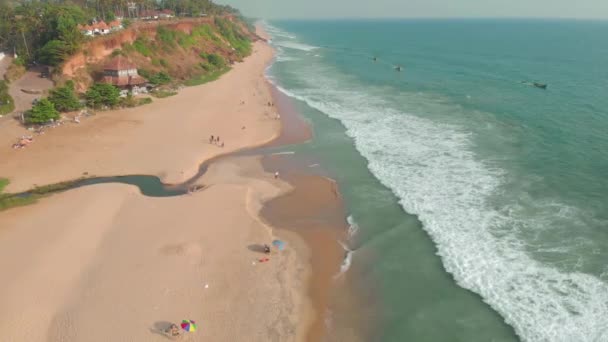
{"type": "Point", "coordinates": [188, 325]}
{"type": "Point", "coordinates": [279, 244]}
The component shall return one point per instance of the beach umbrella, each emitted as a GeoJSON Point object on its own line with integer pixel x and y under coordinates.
{"type": "Point", "coordinates": [279, 244]}
{"type": "Point", "coordinates": [188, 325]}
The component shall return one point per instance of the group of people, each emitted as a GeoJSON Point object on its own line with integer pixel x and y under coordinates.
{"type": "Point", "coordinates": [23, 142]}
{"type": "Point", "coordinates": [216, 141]}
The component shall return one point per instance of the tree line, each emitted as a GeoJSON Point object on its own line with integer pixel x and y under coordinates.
{"type": "Point", "coordinates": [46, 31]}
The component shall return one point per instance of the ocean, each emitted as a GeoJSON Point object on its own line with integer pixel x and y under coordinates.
{"type": "Point", "coordinates": [478, 202]}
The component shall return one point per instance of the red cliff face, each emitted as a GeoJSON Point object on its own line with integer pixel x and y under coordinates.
{"type": "Point", "coordinates": [181, 63]}
{"type": "Point", "coordinates": [99, 48]}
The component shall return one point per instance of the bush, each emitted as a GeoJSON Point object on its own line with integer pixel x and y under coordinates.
{"type": "Point", "coordinates": [164, 62]}
{"type": "Point", "coordinates": [233, 35]}
{"type": "Point", "coordinates": [163, 93]}
{"type": "Point", "coordinates": [7, 104]}
{"type": "Point", "coordinates": [141, 46]}
{"type": "Point", "coordinates": [159, 78]}
{"type": "Point", "coordinates": [131, 101]}
{"type": "Point", "coordinates": [185, 40]}
{"type": "Point", "coordinates": [202, 79]}
{"type": "Point", "coordinates": [126, 23]}
{"type": "Point", "coordinates": [205, 31]}
{"type": "Point", "coordinates": [207, 66]}
{"type": "Point", "coordinates": [166, 36]}
{"type": "Point", "coordinates": [64, 98]}
{"type": "Point", "coordinates": [43, 111]}
{"type": "Point", "coordinates": [54, 52]}
{"type": "Point", "coordinates": [101, 94]}
{"type": "Point", "coordinates": [144, 101]}
{"type": "Point", "coordinates": [217, 60]}
{"type": "Point", "coordinates": [14, 71]}
{"type": "Point", "coordinates": [19, 61]}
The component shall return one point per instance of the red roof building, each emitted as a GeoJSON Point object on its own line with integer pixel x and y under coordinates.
{"type": "Point", "coordinates": [122, 73]}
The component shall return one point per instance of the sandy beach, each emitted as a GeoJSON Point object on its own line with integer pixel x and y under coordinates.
{"type": "Point", "coordinates": [106, 263]}
{"type": "Point", "coordinates": [169, 138]}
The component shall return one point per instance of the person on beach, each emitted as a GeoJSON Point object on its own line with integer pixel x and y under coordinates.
{"type": "Point", "coordinates": [276, 175]}
{"type": "Point", "coordinates": [217, 139]}
{"type": "Point", "coordinates": [222, 145]}
{"type": "Point", "coordinates": [266, 249]}
{"type": "Point", "coordinates": [173, 331]}
{"type": "Point", "coordinates": [211, 140]}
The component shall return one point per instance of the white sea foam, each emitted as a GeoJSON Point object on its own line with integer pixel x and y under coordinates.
{"type": "Point", "coordinates": [430, 166]}
{"type": "Point", "coordinates": [353, 227]}
{"type": "Point", "coordinates": [277, 32]}
{"type": "Point", "coordinates": [347, 261]}
{"type": "Point", "coordinates": [296, 46]}
{"type": "Point", "coordinates": [282, 58]}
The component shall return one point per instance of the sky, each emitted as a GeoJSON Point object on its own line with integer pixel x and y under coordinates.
{"type": "Point", "coordinates": [272, 9]}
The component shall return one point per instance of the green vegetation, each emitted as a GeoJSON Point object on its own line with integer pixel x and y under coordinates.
{"type": "Point", "coordinates": [43, 111]}
{"type": "Point", "coordinates": [102, 95]}
{"type": "Point", "coordinates": [144, 101]}
{"type": "Point", "coordinates": [216, 60]}
{"type": "Point", "coordinates": [131, 101]}
{"type": "Point", "coordinates": [3, 183]}
{"type": "Point", "coordinates": [213, 61]}
{"type": "Point", "coordinates": [142, 46]}
{"type": "Point", "coordinates": [204, 78]}
{"type": "Point", "coordinates": [10, 200]}
{"type": "Point", "coordinates": [64, 98]}
{"type": "Point", "coordinates": [164, 62]}
{"type": "Point", "coordinates": [234, 36]}
{"type": "Point", "coordinates": [15, 70]}
{"type": "Point", "coordinates": [7, 104]}
{"type": "Point", "coordinates": [163, 93]}
{"type": "Point", "coordinates": [205, 31]}
{"type": "Point", "coordinates": [41, 31]}
{"type": "Point", "coordinates": [46, 31]}
{"type": "Point", "coordinates": [117, 52]}
{"type": "Point", "coordinates": [166, 36]}
{"type": "Point", "coordinates": [194, 8]}
{"type": "Point", "coordinates": [159, 78]}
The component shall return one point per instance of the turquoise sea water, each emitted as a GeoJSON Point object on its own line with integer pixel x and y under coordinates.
{"type": "Point", "coordinates": [478, 203]}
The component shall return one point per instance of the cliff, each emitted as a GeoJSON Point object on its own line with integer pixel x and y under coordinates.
{"type": "Point", "coordinates": [179, 50]}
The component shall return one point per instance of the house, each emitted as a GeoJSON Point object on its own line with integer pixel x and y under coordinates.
{"type": "Point", "coordinates": [148, 15]}
{"type": "Point", "coordinates": [122, 73]}
{"type": "Point", "coordinates": [102, 27]}
{"type": "Point", "coordinates": [115, 25]}
{"type": "Point", "coordinates": [166, 14]}
{"type": "Point", "coordinates": [85, 29]}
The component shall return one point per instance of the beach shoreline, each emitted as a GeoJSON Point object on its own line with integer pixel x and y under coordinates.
{"type": "Point", "coordinates": [286, 311]}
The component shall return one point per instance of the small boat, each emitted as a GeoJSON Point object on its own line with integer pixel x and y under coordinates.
{"type": "Point", "coordinates": [540, 85]}
{"type": "Point", "coordinates": [398, 68]}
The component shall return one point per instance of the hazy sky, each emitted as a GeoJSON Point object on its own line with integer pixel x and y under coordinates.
{"type": "Point", "coordinates": [421, 8]}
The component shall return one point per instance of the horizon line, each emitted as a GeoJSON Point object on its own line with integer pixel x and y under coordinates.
{"type": "Point", "coordinates": [435, 18]}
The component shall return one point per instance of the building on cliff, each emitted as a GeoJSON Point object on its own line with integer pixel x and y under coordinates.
{"type": "Point", "coordinates": [100, 28]}
{"type": "Point", "coordinates": [122, 73]}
